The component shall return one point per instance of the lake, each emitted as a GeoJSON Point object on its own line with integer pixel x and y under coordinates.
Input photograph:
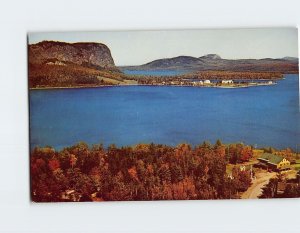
{"type": "Point", "coordinates": [127, 115]}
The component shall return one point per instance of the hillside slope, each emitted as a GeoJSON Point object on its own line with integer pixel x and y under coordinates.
{"type": "Point", "coordinates": [216, 63]}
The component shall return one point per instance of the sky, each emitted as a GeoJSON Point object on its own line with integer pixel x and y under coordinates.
{"type": "Point", "coordinates": [140, 47]}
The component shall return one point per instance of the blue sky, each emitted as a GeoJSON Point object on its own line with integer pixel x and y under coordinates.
{"type": "Point", "coordinates": [139, 47]}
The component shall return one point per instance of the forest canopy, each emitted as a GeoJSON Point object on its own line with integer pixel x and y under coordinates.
{"type": "Point", "coordinates": [140, 172]}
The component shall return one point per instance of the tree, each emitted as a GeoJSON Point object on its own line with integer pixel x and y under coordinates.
{"type": "Point", "coordinates": [176, 174]}
{"type": "Point", "coordinates": [291, 191]}
{"type": "Point", "coordinates": [53, 164]}
{"type": "Point", "coordinates": [133, 174]}
{"type": "Point", "coordinates": [164, 173]}
{"type": "Point", "coordinates": [270, 190]}
{"type": "Point", "coordinates": [241, 179]}
{"type": "Point", "coordinates": [246, 154]}
{"type": "Point", "coordinates": [73, 160]}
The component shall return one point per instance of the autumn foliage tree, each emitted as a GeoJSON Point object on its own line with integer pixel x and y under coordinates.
{"type": "Point", "coordinates": [140, 172]}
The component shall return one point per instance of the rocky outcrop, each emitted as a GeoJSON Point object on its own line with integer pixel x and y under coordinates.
{"type": "Point", "coordinates": [211, 56]}
{"type": "Point", "coordinates": [83, 54]}
{"type": "Point", "coordinates": [60, 64]}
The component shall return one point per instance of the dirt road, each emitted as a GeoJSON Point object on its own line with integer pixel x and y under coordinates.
{"type": "Point", "coordinates": [255, 189]}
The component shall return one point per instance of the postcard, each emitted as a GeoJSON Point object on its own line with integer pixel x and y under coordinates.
{"type": "Point", "coordinates": [164, 115]}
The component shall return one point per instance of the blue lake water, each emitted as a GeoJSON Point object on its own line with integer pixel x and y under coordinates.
{"type": "Point", "coordinates": [265, 115]}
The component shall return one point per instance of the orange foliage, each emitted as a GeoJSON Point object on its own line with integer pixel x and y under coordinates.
{"type": "Point", "coordinates": [133, 173]}
{"type": "Point", "coordinates": [54, 164]}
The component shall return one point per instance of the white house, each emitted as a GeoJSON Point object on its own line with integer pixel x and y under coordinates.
{"type": "Point", "coordinates": [227, 82]}
{"type": "Point", "coordinates": [206, 81]}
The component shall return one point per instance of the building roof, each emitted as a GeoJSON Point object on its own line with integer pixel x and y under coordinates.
{"type": "Point", "coordinates": [271, 158]}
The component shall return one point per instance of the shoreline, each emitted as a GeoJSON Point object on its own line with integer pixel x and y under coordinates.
{"type": "Point", "coordinates": [73, 87]}
{"type": "Point", "coordinates": [154, 85]}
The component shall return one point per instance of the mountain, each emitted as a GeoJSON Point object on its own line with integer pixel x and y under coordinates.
{"type": "Point", "coordinates": [290, 58]}
{"type": "Point", "coordinates": [172, 62]}
{"type": "Point", "coordinates": [95, 54]}
{"type": "Point", "coordinates": [53, 63]}
{"type": "Point", "coordinates": [210, 56]}
{"type": "Point", "coordinates": [216, 63]}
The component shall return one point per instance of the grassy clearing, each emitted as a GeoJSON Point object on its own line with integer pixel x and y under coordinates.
{"type": "Point", "coordinates": [117, 82]}
{"type": "Point", "coordinates": [132, 82]}
{"type": "Point", "coordinates": [229, 168]}
{"type": "Point", "coordinates": [109, 80]}
{"type": "Point", "coordinates": [296, 166]}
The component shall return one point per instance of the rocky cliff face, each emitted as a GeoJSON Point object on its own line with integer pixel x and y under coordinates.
{"type": "Point", "coordinates": [83, 54]}
{"type": "Point", "coordinates": [60, 64]}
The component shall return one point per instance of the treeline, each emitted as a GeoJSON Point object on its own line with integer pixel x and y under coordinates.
{"type": "Point", "coordinates": [220, 75]}
{"type": "Point", "coordinates": [141, 172]}
{"type": "Point", "coordinates": [207, 75]}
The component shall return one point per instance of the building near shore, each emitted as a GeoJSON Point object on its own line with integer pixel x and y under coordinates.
{"type": "Point", "coordinates": [196, 83]}
{"type": "Point", "coordinates": [273, 162]}
{"type": "Point", "coordinates": [206, 81]}
{"type": "Point", "coordinates": [227, 82]}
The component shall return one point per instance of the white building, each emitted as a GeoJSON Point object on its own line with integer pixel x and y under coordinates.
{"type": "Point", "coordinates": [206, 81]}
{"type": "Point", "coordinates": [197, 83]}
{"type": "Point", "coordinates": [227, 82]}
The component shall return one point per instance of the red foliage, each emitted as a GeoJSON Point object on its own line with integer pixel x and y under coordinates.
{"type": "Point", "coordinates": [54, 164]}
{"type": "Point", "coordinates": [133, 173]}
{"type": "Point", "coordinates": [246, 154]}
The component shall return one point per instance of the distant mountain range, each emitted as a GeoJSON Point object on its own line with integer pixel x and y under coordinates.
{"type": "Point", "coordinates": [215, 62]}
